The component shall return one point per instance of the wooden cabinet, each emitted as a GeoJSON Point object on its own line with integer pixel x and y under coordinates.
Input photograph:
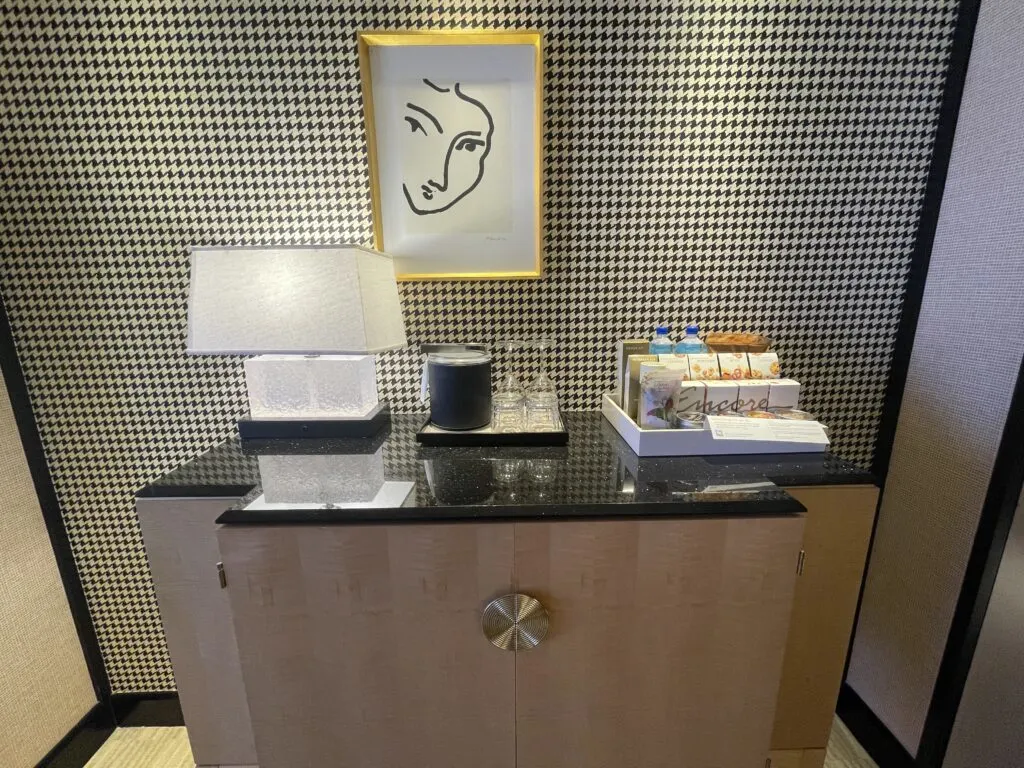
{"type": "Point", "coordinates": [362, 647]}
{"type": "Point", "coordinates": [836, 538]}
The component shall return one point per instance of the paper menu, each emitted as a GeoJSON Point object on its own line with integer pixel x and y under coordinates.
{"type": "Point", "coordinates": [779, 430]}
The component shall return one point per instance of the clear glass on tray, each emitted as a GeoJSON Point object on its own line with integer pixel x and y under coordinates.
{"type": "Point", "coordinates": [507, 412]}
{"type": "Point", "coordinates": [542, 412]}
{"type": "Point", "coordinates": [508, 405]}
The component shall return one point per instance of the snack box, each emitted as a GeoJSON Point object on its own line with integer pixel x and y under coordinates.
{"type": "Point", "coordinates": [734, 365]}
{"type": "Point", "coordinates": [623, 349]}
{"type": "Point", "coordinates": [631, 389]}
{"type": "Point", "coordinates": [752, 395]}
{"type": "Point", "coordinates": [783, 393]}
{"type": "Point", "coordinates": [690, 396]}
{"type": "Point", "coordinates": [704, 367]}
{"type": "Point", "coordinates": [764, 365]}
{"type": "Point", "coordinates": [657, 405]}
{"type": "Point", "coordinates": [720, 397]}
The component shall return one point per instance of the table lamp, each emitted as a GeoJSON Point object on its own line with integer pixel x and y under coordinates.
{"type": "Point", "coordinates": [315, 316]}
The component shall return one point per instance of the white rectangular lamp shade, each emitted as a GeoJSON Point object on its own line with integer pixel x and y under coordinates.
{"type": "Point", "coordinates": [300, 300]}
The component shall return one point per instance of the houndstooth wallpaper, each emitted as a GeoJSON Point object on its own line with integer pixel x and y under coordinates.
{"type": "Point", "coordinates": [753, 165]}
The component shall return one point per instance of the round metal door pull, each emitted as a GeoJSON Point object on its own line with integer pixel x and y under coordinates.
{"type": "Point", "coordinates": [515, 622]}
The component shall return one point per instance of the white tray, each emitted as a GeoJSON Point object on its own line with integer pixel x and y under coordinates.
{"type": "Point", "coordinates": [692, 442]}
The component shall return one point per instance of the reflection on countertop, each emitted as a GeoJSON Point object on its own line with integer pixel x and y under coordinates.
{"type": "Point", "coordinates": [596, 475]}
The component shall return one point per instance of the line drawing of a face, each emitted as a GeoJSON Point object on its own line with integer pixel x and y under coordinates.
{"type": "Point", "coordinates": [451, 134]}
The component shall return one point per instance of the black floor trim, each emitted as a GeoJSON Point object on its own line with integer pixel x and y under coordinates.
{"type": "Point", "coordinates": [136, 710]}
{"type": "Point", "coordinates": [884, 748]}
{"type": "Point", "coordinates": [83, 741]}
{"type": "Point", "coordinates": [122, 710]}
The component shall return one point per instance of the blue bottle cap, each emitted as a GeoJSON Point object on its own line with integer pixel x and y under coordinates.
{"type": "Point", "coordinates": [662, 330]}
{"type": "Point", "coordinates": [693, 328]}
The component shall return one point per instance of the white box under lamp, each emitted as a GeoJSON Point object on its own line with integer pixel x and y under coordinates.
{"type": "Point", "coordinates": [315, 315]}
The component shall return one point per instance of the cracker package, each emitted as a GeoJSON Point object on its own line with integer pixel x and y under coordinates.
{"type": "Point", "coordinates": [704, 367]}
{"type": "Point", "coordinates": [734, 365]}
{"type": "Point", "coordinates": [677, 362]}
{"type": "Point", "coordinates": [764, 365]}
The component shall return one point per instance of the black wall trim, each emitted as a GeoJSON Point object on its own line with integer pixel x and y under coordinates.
{"type": "Point", "coordinates": [33, 445]}
{"type": "Point", "coordinates": [997, 513]}
{"type": "Point", "coordinates": [884, 748]}
{"type": "Point", "coordinates": [949, 113]}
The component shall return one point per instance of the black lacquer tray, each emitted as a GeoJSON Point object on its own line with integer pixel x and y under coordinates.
{"type": "Point", "coordinates": [433, 436]}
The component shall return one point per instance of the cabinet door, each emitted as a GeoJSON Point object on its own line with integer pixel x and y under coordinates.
{"type": "Point", "coordinates": [361, 647]}
{"type": "Point", "coordinates": [665, 642]}
{"type": "Point", "coordinates": [836, 536]}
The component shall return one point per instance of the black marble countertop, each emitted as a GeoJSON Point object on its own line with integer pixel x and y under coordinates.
{"type": "Point", "coordinates": [596, 476]}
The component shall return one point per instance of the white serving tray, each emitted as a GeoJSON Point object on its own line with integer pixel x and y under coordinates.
{"type": "Point", "coordinates": [692, 442]}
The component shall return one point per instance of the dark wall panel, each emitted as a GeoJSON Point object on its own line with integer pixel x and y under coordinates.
{"type": "Point", "coordinates": [963, 370]}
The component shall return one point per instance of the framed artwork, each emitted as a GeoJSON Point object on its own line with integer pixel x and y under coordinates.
{"type": "Point", "coordinates": [453, 121]}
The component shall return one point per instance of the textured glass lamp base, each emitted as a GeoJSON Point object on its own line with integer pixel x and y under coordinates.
{"type": "Point", "coordinates": [311, 386]}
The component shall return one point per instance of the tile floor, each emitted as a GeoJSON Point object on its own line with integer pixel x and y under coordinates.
{"type": "Point", "coordinates": [168, 748]}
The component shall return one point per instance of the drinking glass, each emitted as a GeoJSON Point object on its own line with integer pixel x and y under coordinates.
{"type": "Point", "coordinates": [509, 382]}
{"type": "Point", "coordinates": [542, 382]}
{"type": "Point", "coordinates": [542, 412]}
{"type": "Point", "coordinates": [507, 412]}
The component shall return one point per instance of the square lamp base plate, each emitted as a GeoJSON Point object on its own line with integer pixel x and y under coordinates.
{"type": "Point", "coordinates": [293, 429]}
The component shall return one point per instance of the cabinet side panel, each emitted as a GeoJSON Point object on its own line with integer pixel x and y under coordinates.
{"type": "Point", "coordinates": [836, 537]}
{"type": "Point", "coordinates": [181, 544]}
{"type": "Point", "coordinates": [666, 641]}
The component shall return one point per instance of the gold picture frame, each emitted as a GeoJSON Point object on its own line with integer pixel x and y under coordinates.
{"type": "Point", "coordinates": [368, 40]}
